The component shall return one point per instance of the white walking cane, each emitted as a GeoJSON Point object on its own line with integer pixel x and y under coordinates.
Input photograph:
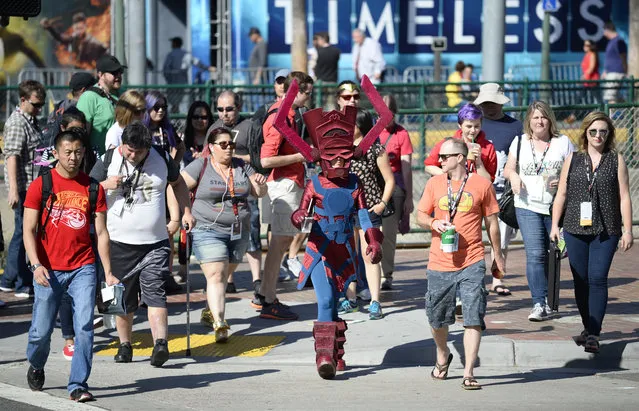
{"type": "Point", "coordinates": [188, 292]}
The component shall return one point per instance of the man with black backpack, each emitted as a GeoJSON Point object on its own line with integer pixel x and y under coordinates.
{"type": "Point", "coordinates": [59, 208]}
{"type": "Point", "coordinates": [98, 103]}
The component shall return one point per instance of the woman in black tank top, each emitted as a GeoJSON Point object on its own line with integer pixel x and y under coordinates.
{"type": "Point", "coordinates": [594, 192]}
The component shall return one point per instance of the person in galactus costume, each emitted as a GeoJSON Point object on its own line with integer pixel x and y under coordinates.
{"type": "Point", "coordinates": [328, 207]}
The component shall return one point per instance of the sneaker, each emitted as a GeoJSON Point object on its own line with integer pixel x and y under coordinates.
{"type": "Point", "coordinates": [221, 331]}
{"type": "Point", "coordinates": [67, 351]}
{"type": "Point", "coordinates": [364, 295]}
{"type": "Point", "coordinates": [375, 311]}
{"type": "Point", "coordinates": [257, 286]}
{"type": "Point", "coordinates": [35, 379]}
{"type": "Point", "coordinates": [24, 294]}
{"type": "Point", "coordinates": [294, 266]}
{"type": "Point", "coordinates": [160, 353]}
{"type": "Point", "coordinates": [285, 273]}
{"type": "Point", "coordinates": [347, 306]}
{"type": "Point", "coordinates": [277, 311]}
{"type": "Point", "coordinates": [206, 319]}
{"type": "Point", "coordinates": [125, 353]}
{"type": "Point", "coordinates": [258, 301]}
{"type": "Point", "coordinates": [549, 312]}
{"type": "Point", "coordinates": [538, 313]}
{"type": "Point", "coordinates": [387, 283]}
{"type": "Point", "coordinates": [171, 286]}
{"type": "Point", "coordinates": [6, 289]}
{"type": "Point", "coordinates": [230, 288]}
{"type": "Point", "coordinates": [81, 395]}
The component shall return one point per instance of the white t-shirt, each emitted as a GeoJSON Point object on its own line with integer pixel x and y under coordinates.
{"type": "Point", "coordinates": [537, 195]}
{"type": "Point", "coordinates": [145, 221]}
{"type": "Point", "coordinates": [113, 136]}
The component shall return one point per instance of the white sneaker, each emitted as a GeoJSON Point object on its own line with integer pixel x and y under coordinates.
{"type": "Point", "coordinates": [549, 312]}
{"type": "Point", "coordinates": [387, 283]}
{"type": "Point", "coordinates": [364, 295]}
{"type": "Point", "coordinates": [6, 289]}
{"type": "Point", "coordinates": [294, 266]}
{"type": "Point", "coordinates": [538, 313]}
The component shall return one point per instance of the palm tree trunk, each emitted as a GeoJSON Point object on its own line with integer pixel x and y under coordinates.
{"type": "Point", "coordinates": [299, 58]}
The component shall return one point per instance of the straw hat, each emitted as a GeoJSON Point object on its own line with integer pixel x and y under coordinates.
{"type": "Point", "coordinates": [491, 92]}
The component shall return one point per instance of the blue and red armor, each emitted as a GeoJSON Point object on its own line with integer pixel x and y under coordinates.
{"type": "Point", "coordinates": [335, 196]}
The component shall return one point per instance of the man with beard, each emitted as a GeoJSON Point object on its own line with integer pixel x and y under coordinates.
{"type": "Point", "coordinates": [86, 48]}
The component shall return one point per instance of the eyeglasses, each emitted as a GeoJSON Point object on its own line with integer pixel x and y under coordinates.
{"type": "Point", "coordinates": [226, 144]}
{"type": "Point", "coordinates": [444, 157]}
{"type": "Point", "coordinates": [225, 109]}
{"type": "Point", "coordinates": [159, 107]}
{"type": "Point", "coordinates": [36, 105]}
{"type": "Point", "coordinates": [350, 96]}
{"type": "Point", "coordinates": [593, 132]}
{"type": "Point", "coordinates": [199, 117]}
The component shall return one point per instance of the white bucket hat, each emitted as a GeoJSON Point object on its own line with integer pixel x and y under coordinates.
{"type": "Point", "coordinates": [491, 92]}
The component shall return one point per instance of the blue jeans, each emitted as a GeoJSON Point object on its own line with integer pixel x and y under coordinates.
{"type": "Point", "coordinates": [17, 273]}
{"type": "Point", "coordinates": [590, 258]}
{"type": "Point", "coordinates": [535, 230]}
{"type": "Point", "coordinates": [80, 284]}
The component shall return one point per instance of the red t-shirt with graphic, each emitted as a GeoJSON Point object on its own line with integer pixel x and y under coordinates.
{"type": "Point", "coordinates": [65, 244]}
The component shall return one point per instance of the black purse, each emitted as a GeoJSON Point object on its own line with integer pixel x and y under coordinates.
{"type": "Point", "coordinates": [506, 203]}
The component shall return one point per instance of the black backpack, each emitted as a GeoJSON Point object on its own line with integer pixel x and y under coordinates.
{"type": "Point", "coordinates": [52, 128]}
{"type": "Point", "coordinates": [47, 193]}
{"type": "Point", "coordinates": [256, 140]}
{"type": "Point", "coordinates": [256, 135]}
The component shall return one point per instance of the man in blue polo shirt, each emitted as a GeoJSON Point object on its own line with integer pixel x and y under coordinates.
{"type": "Point", "coordinates": [615, 63]}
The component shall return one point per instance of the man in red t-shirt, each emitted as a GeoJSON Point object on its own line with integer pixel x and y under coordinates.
{"type": "Point", "coordinates": [285, 188]}
{"type": "Point", "coordinates": [459, 201]}
{"type": "Point", "coordinates": [59, 247]}
{"type": "Point", "coordinates": [482, 158]}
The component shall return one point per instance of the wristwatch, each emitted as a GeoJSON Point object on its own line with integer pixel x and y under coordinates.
{"type": "Point", "coordinates": [34, 267]}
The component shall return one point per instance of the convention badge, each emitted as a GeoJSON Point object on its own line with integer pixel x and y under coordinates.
{"type": "Point", "coordinates": [450, 240]}
{"type": "Point", "coordinates": [236, 230]}
{"type": "Point", "coordinates": [118, 206]}
{"type": "Point", "coordinates": [307, 224]}
{"type": "Point", "coordinates": [585, 217]}
{"type": "Point", "coordinates": [536, 192]}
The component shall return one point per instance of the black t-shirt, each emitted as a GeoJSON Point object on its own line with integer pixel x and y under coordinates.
{"type": "Point", "coordinates": [327, 61]}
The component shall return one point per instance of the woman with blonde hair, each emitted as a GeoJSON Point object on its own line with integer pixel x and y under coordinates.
{"type": "Point", "coordinates": [594, 191]}
{"type": "Point", "coordinates": [129, 108]}
{"type": "Point", "coordinates": [541, 151]}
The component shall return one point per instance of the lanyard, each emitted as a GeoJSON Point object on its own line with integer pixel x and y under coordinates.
{"type": "Point", "coordinates": [539, 166]}
{"type": "Point", "coordinates": [591, 183]}
{"type": "Point", "coordinates": [138, 169]}
{"type": "Point", "coordinates": [231, 186]}
{"type": "Point", "coordinates": [453, 203]}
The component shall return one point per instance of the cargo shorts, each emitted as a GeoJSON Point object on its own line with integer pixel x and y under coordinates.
{"type": "Point", "coordinates": [442, 290]}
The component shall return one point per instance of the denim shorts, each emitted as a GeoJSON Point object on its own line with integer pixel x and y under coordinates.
{"type": "Point", "coordinates": [442, 289]}
{"type": "Point", "coordinates": [211, 246]}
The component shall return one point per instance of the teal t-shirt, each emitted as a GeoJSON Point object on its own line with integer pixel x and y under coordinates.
{"type": "Point", "coordinates": [100, 113]}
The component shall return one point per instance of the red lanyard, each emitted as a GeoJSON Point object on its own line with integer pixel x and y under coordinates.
{"type": "Point", "coordinates": [231, 187]}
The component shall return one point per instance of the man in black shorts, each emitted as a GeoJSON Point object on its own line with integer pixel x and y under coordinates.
{"type": "Point", "coordinates": [135, 180]}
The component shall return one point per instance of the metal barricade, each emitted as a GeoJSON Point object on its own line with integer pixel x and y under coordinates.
{"type": "Point", "coordinates": [419, 74]}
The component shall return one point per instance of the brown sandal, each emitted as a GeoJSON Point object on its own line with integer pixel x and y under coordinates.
{"type": "Point", "coordinates": [442, 369]}
{"type": "Point", "coordinates": [472, 384]}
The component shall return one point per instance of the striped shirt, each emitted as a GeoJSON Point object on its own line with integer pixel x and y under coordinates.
{"type": "Point", "coordinates": [22, 137]}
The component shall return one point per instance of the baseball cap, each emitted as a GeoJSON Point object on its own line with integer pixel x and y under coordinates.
{"type": "Point", "coordinates": [109, 64]}
{"type": "Point", "coordinates": [282, 73]}
{"type": "Point", "coordinates": [491, 92]}
{"type": "Point", "coordinates": [81, 80]}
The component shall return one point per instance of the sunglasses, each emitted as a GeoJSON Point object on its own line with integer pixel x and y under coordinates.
{"type": "Point", "coordinates": [226, 144]}
{"type": "Point", "coordinates": [199, 117]}
{"type": "Point", "coordinates": [36, 105]}
{"type": "Point", "coordinates": [350, 96]}
{"type": "Point", "coordinates": [593, 133]}
{"type": "Point", "coordinates": [159, 107]}
{"type": "Point", "coordinates": [225, 109]}
{"type": "Point", "coordinates": [444, 157]}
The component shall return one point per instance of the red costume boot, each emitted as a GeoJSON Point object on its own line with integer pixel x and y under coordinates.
{"type": "Point", "coordinates": [341, 340]}
{"type": "Point", "coordinates": [325, 348]}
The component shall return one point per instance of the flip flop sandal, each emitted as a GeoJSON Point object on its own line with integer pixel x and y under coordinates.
{"type": "Point", "coordinates": [592, 345]}
{"type": "Point", "coordinates": [581, 338]}
{"type": "Point", "coordinates": [501, 290]}
{"type": "Point", "coordinates": [442, 369]}
{"type": "Point", "coordinates": [472, 384]}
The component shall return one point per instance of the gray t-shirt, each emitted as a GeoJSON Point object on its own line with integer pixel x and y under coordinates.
{"type": "Point", "coordinates": [240, 133]}
{"type": "Point", "coordinates": [258, 55]}
{"type": "Point", "coordinates": [213, 208]}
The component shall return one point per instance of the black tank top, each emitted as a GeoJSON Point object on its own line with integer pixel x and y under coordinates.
{"type": "Point", "coordinates": [606, 209]}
